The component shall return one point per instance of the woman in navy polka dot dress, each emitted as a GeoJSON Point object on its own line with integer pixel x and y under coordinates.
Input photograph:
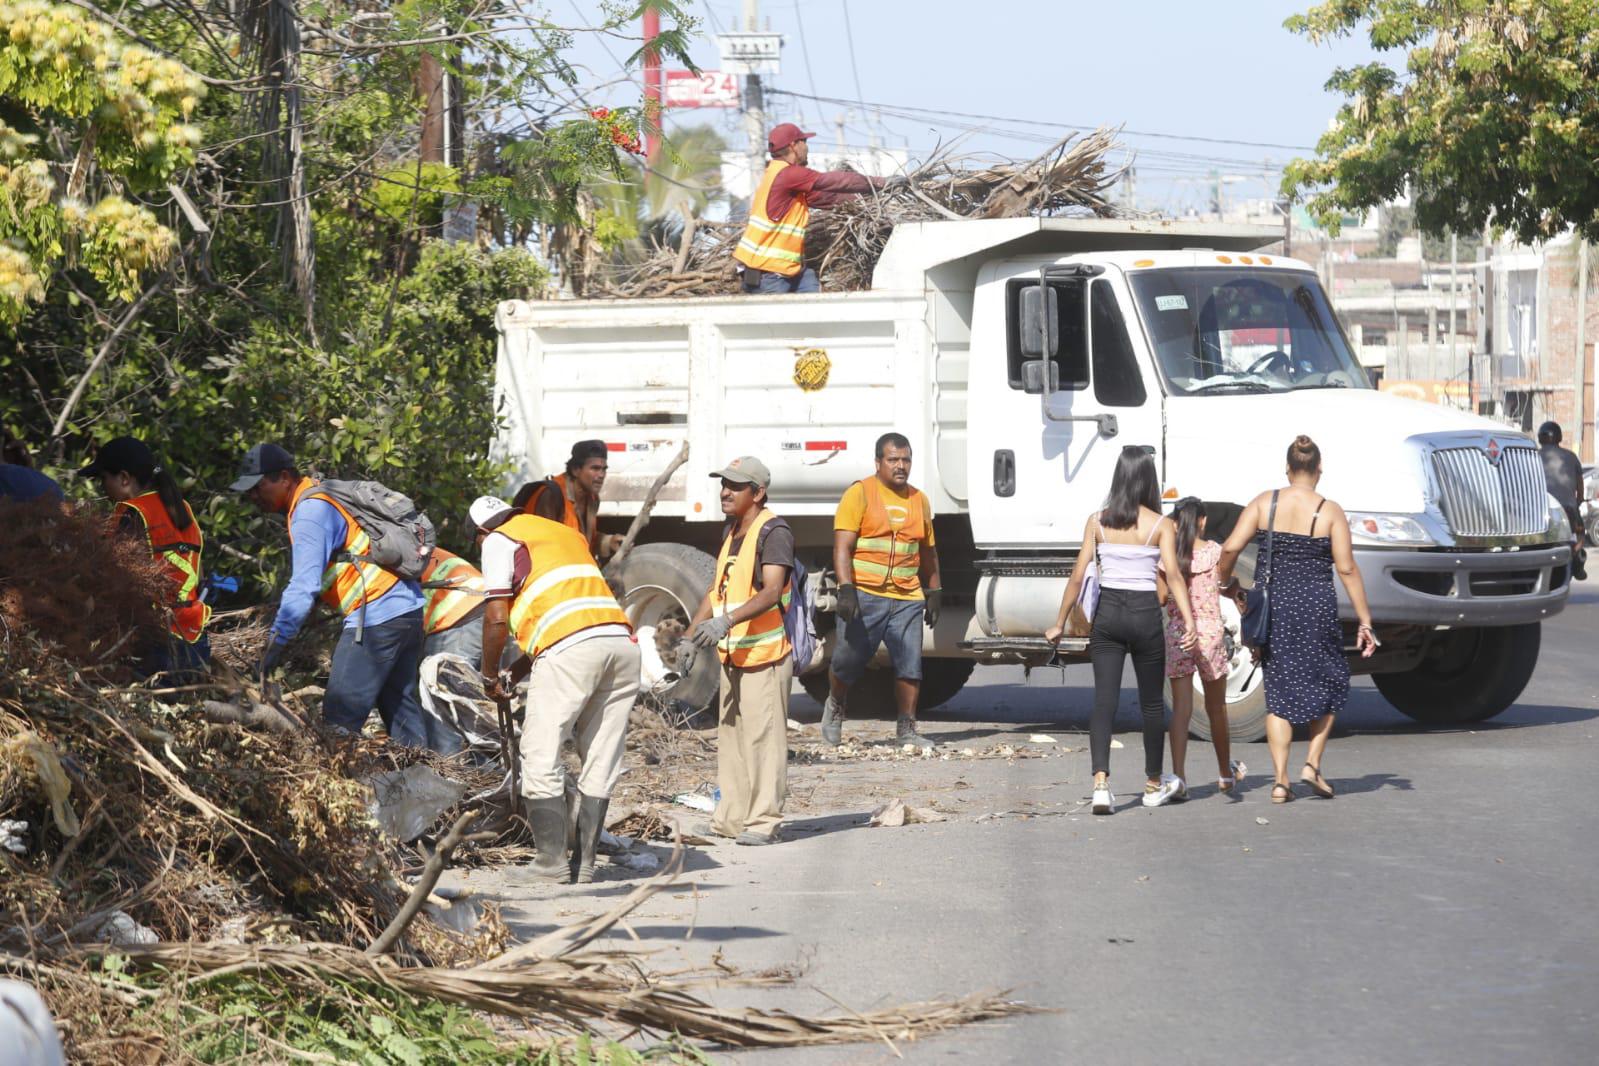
{"type": "Point", "coordinates": [1307, 675]}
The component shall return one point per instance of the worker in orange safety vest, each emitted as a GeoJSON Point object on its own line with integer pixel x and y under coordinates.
{"type": "Point", "coordinates": [573, 498]}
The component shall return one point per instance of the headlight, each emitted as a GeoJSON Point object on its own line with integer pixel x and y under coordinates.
{"type": "Point", "coordinates": [1559, 521]}
{"type": "Point", "coordinates": [1387, 529]}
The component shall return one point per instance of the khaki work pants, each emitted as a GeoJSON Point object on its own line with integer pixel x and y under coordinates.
{"type": "Point", "coordinates": [752, 748]}
{"type": "Point", "coordinates": [583, 690]}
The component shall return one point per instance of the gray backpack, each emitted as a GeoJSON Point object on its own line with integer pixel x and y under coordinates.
{"type": "Point", "coordinates": [402, 536]}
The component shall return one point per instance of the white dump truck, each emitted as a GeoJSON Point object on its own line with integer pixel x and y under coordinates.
{"type": "Point", "coordinates": [1020, 356]}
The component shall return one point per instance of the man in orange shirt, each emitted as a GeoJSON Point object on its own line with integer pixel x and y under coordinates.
{"type": "Point", "coordinates": [887, 567]}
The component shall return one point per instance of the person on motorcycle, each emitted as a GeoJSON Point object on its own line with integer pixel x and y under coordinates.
{"type": "Point", "coordinates": [1562, 471]}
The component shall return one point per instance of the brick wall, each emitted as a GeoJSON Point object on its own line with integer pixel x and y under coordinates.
{"type": "Point", "coordinates": [1557, 346]}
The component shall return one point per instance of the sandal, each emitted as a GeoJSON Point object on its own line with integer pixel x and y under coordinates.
{"type": "Point", "coordinates": [1228, 784]}
{"type": "Point", "coordinates": [1286, 797]}
{"type": "Point", "coordinates": [1317, 783]}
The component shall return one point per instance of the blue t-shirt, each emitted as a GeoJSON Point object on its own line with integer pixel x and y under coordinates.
{"type": "Point", "coordinates": [21, 483]}
{"type": "Point", "coordinates": [319, 530]}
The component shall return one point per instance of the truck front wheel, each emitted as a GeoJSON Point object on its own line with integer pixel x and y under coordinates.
{"type": "Point", "coordinates": [1468, 675]}
{"type": "Point", "coordinates": [873, 694]}
{"type": "Point", "coordinates": [662, 587]}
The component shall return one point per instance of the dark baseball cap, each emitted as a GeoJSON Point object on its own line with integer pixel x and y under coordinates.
{"type": "Point", "coordinates": [584, 450]}
{"type": "Point", "coordinates": [122, 455]}
{"type": "Point", "coordinates": [259, 461]}
{"type": "Point", "coordinates": [785, 134]}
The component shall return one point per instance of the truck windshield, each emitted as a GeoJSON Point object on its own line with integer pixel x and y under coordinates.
{"type": "Point", "coordinates": [1228, 330]}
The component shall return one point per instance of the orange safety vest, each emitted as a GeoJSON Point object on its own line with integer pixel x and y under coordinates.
{"type": "Point", "coordinates": [886, 557]}
{"type": "Point", "coordinates": [762, 639]}
{"type": "Point", "coordinates": [346, 586]}
{"type": "Point", "coordinates": [564, 592]}
{"type": "Point", "coordinates": [180, 554]}
{"type": "Point", "coordinates": [569, 516]}
{"type": "Point", "coordinates": [774, 245]}
{"type": "Point", "coordinates": [458, 590]}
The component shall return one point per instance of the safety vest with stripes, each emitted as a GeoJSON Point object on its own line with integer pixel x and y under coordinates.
{"type": "Point", "coordinates": [569, 516]}
{"type": "Point", "coordinates": [564, 592]}
{"type": "Point", "coordinates": [179, 552]}
{"type": "Point", "coordinates": [774, 245]}
{"type": "Point", "coordinates": [346, 585]}
{"type": "Point", "coordinates": [457, 588]}
{"type": "Point", "coordinates": [762, 639]}
{"type": "Point", "coordinates": [886, 557]}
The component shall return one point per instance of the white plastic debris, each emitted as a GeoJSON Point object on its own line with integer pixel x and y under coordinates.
{"type": "Point", "coordinates": [1262, 821]}
{"type": "Point", "coordinates": [794, 727]}
{"type": "Point", "coordinates": [27, 1031]}
{"type": "Point", "coordinates": [695, 801]}
{"type": "Point", "coordinates": [11, 836]}
{"type": "Point", "coordinates": [120, 928]}
{"type": "Point", "coordinates": [405, 803]}
{"type": "Point", "coordinates": [641, 861]}
{"type": "Point", "coordinates": [1116, 743]}
{"type": "Point", "coordinates": [1039, 738]}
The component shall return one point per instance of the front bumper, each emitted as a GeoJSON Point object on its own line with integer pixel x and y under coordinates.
{"type": "Point", "coordinates": [1462, 588]}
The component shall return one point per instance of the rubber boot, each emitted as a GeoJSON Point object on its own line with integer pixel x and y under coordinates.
{"type": "Point", "coordinates": [590, 820]}
{"type": "Point", "coordinates": [547, 816]}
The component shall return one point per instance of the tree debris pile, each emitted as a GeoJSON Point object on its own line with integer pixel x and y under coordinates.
{"type": "Point", "coordinates": [844, 242]}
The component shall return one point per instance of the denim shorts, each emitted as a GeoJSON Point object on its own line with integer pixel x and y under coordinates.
{"type": "Point", "coordinates": [882, 620]}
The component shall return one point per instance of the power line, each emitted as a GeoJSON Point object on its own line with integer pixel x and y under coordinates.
{"type": "Point", "coordinates": [805, 50]}
{"type": "Point", "coordinates": [1053, 125]}
{"type": "Point", "coordinates": [849, 38]}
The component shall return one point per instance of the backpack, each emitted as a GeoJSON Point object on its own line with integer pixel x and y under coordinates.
{"type": "Point", "coordinates": [402, 536]}
{"type": "Point", "coordinates": [799, 619]}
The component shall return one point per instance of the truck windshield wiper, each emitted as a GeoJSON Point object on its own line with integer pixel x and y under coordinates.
{"type": "Point", "coordinates": [1241, 386]}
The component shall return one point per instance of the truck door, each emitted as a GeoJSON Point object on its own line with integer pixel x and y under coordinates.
{"type": "Point", "coordinates": [1045, 437]}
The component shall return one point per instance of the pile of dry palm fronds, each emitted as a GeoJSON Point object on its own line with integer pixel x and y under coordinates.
{"type": "Point", "coordinates": [843, 242]}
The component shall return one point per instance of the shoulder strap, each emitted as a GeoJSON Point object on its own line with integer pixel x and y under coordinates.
{"type": "Point", "coordinates": [1315, 515]}
{"type": "Point", "coordinates": [1271, 532]}
{"type": "Point", "coordinates": [1153, 530]}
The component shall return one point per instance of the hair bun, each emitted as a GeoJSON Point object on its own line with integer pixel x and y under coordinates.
{"type": "Point", "coordinates": [1303, 441]}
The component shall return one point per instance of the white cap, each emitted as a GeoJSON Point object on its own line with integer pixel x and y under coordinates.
{"type": "Point", "coordinates": [487, 512]}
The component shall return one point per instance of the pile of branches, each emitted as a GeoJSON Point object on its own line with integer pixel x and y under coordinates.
{"type": "Point", "coordinates": [155, 858]}
{"type": "Point", "coordinates": [844, 241]}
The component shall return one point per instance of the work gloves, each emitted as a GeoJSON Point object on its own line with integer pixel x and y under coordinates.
{"type": "Point", "coordinates": [688, 654]}
{"type": "Point", "coordinates": [269, 658]}
{"type": "Point", "coordinates": [931, 605]}
{"type": "Point", "coordinates": [711, 632]}
{"type": "Point", "coordinates": [849, 603]}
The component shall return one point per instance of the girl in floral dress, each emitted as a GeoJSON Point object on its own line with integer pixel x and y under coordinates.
{"type": "Point", "coordinates": [1197, 558]}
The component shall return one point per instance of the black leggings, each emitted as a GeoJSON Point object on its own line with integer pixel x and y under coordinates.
{"type": "Point", "coordinates": [1128, 623]}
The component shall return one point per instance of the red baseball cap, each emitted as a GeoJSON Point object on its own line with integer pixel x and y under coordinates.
{"type": "Point", "coordinates": [784, 135]}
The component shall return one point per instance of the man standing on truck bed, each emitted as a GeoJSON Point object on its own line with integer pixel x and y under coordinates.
{"type": "Point", "coordinates": [543, 588]}
{"type": "Point", "coordinates": [772, 249]}
{"type": "Point", "coordinates": [741, 618]}
{"type": "Point", "coordinates": [380, 649]}
{"type": "Point", "coordinates": [884, 555]}
{"type": "Point", "coordinates": [573, 498]}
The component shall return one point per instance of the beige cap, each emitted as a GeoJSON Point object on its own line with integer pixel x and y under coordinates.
{"type": "Point", "coordinates": [747, 469]}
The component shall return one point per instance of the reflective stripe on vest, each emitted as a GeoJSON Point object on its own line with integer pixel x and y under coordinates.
{"type": "Point", "coordinates": [762, 639]}
{"type": "Point", "coordinates": [180, 552]}
{"type": "Point", "coordinates": [774, 245]}
{"type": "Point", "coordinates": [564, 592]}
{"type": "Point", "coordinates": [445, 607]}
{"type": "Point", "coordinates": [345, 586]}
{"type": "Point", "coordinates": [886, 557]}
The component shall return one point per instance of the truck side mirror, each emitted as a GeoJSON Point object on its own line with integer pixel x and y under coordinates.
{"type": "Point", "coordinates": [1040, 309]}
{"type": "Point", "coordinates": [1040, 376]}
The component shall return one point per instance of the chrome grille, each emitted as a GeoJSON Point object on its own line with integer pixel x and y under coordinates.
{"type": "Point", "coordinates": [1481, 499]}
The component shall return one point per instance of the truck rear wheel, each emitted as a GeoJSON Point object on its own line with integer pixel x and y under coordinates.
{"type": "Point", "coordinates": [1246, 688]}
{"type": "Point", "coordinates": [1468, 675]}
{"type": "Point", "coordinates": [662, 587]}
{"type": "Point", "coordinates": [873, 695]}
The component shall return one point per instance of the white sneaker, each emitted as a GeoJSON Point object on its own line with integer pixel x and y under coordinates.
{"type": "Point", "coordinates": [1104, 800]}
{"type": "Point", "coordinates": [1170, 786]}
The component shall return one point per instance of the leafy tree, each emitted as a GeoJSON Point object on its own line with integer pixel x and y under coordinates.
{"type": "Point", "coordinates": [82, 117]}
{"type": "Point", "coordinates": [1493, 115]}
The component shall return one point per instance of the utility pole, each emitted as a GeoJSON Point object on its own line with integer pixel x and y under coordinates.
{"type": "Point", "coordinates": [653, 77]}
{"type": "Point", "coordinates": [1579, 412]}
{"type": "Point", "coordinates": [754, 106]}
{"type": "Point", "coordinates": [1454, 296]}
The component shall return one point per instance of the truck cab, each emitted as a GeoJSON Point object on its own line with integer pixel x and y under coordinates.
{"type": "Point", "coordinates": [1020, 356]}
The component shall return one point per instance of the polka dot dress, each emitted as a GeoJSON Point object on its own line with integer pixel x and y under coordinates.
{"type": "Point", "coordinates": [1307, 675]}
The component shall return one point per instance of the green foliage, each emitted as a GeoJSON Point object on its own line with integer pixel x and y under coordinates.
{"type": "Point", "coordinates": [1494, 115]}
{"type": "Point", "coordinates": [235, 1018]}
{"type": "Point", "coordinates": [79, 99]}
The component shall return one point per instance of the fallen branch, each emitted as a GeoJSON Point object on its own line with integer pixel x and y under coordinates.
{"type": "Point", "coordinates": [430, 876]}
{"type": "Point", "coordinates": [642, 519]}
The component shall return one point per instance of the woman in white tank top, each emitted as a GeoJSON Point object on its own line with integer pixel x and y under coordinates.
{"type": "Point", "coordinates": [1131, 540]}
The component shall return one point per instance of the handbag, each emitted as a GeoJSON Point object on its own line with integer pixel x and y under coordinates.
{"type": "Point", "coordinates": [1255, 625]}
{"type": "Point", "coordinates": [1080, 620]}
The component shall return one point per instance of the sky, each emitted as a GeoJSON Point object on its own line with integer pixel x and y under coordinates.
{"type": "Point", "coordinates": [1182, 69]}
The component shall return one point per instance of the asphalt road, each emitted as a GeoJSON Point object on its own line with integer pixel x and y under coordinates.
{"type": "Point", "coordinates": [1443, 909]}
